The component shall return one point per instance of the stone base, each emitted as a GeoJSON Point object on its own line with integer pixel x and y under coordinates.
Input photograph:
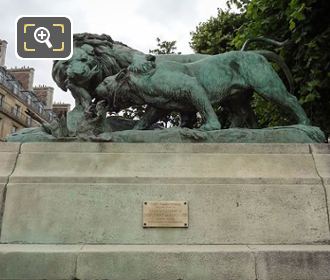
{"type": "Point", "coordinates": [256, 211]}
{"type": "Point", "coordinates": [281, 134]}
{"type": "Point", "coordinates": [170, 262]}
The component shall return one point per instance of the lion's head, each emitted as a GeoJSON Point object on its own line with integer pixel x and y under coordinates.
{"type": "Point", "coordinates": [92, 60]}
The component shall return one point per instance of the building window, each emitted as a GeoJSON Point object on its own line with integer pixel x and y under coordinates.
{"type": "Point", "coordinates": [29, 121]}
{"type": "Point", "coordinates": [29, 99]}
{"type": "Point", "coordinates": [15, 88]}
{"type": "Point", "coordinates": [16, 110]}
{"type": "Point", "coordinates": [2, 98]}
{"type": "Point", "coordinates": [13, 129]}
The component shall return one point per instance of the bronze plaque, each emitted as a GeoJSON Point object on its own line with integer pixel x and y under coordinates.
{"type": "Point", "coordinates": [165, 214]}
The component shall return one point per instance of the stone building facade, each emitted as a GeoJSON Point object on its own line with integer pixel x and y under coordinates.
{"type": "Point", "coordinates": [22, 104]}
{"type": "Point", "coordinates": [3, 48]}
{"type": "Point", "coordinates": [45, 94]}
{"type": "Point", "coordinates": [19, 105]}
{"type": "Point", "coordinates": [61, 109]}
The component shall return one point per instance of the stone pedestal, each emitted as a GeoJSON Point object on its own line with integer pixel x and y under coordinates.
{"type": "Point", "coordinates": [74, 210]}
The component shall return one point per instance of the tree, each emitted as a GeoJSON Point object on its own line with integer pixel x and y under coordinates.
{"type": "Point", "coordinates": [165, 47]}
{"type": "Point", "coordinates": [217, 34]}
{"type": "Point", "coordinates": [306, 24]}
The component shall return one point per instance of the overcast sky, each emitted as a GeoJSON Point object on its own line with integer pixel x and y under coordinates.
{"type": "Point", "coordinates": [136, 23]}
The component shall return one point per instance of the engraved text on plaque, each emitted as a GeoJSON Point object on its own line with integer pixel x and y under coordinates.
{"type": "Point", "coordinates": [165, 214]}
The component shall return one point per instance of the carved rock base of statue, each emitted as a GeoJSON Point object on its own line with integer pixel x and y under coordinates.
{"type": "Point", "coordinates": [282, 134]}
{"type": "Point", "coordinates": [75, 211]}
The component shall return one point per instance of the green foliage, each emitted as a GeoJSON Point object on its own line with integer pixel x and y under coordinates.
{"type": "Point", "coordinates": [216, 35]}
{"type": "Point", "coordinates": [241, 5]}
{"type": "Point", "coordinates": [137, 112]}
{"type": "Point", "coordinates": [306, 23]}
{"type": "Point", "coordinates": [134, 112]}
{"type": "Point", "coordinates": [164, 47]}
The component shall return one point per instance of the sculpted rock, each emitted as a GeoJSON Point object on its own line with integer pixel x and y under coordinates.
{"type": "Point", "coordinates": [187, 87]}
{"type": "Point", "coordinates": [282, 134]}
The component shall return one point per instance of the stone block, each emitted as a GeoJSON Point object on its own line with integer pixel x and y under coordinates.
{"type": "Point", "coordinates": [131, 262]}
{"type": "Point", "coordinates": [189, 167]}
{"type": "Point", "coordinates": [8, 156]}
{"type": "Point", "coordinates": [320, 148]}
{"type": "Point", "coordinates": [307, 262]}
{"type": "Point", "coordinates": [327, 190]}
{"type": "Point", "coordinates": [112, 213]}
{"type": "Point", "coordinates": [37, 261]}
{"type": "Point", "coordinates": [321, 153]}
{"type": "Point", "coordinates": [9, 147]}
{"type": "Point", "coordinates": [7, 163]}
{"type": "Point", "coordinates": [322, 162]}
{"type": "Point", "coordinates": [166, 262]}
{"type": "Point", "coordinates": [227, 148]}
{"type": "Point", "coordinates": [2, 190]}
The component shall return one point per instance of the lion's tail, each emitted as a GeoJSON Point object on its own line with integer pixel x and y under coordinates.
{"type": "Point", "coordinates": [273, 57]}
{"type": "Point", "coordinates": [263, 40]}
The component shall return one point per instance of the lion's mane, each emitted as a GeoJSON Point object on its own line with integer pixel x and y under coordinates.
{"type": "Point", "coordinates": [102, 54]}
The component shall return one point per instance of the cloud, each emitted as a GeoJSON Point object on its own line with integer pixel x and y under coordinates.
{"type": "Point", "coordinates": [137, 23]}
{"type": "Point", "coordinates": [169, 12]}
{"type": "Point", "coordinates": [16, 8]}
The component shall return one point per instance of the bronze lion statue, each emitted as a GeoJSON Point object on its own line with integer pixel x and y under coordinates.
{"type": "Point", "coordinates": [198, 86]}
{"type": "Point", "coordinates": [96, 57]}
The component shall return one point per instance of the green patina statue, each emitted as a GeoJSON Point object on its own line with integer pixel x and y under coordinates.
{"type": "Point", "coordinates": [96, 57]}
{"type": "Point", "coordinates": [188, 87]}
{"type": "Point", "coordinates": [105, 76]}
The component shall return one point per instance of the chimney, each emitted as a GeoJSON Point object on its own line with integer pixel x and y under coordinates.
{"type": "Point", "coordinates": [3, 48]}
{"type": "Point", "coordinates": [61, 109]}
{"type": "Point", "coordinates": [45, 95]}
{"type": "Point", "coordinates": [24, 75]}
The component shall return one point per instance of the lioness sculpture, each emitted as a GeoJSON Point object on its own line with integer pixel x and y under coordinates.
{"type": "Point", "coordinates": [187, 87]}
{"type": "Point", "coordinates": [96, 57]}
